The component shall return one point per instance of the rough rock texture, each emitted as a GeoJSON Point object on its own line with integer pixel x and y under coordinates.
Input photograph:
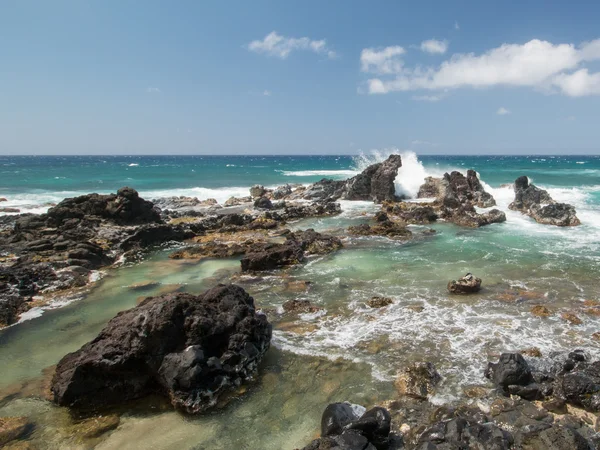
{"type": "Point", "coordinates": [567, 377]}
{"type": "Point", "coordinates": [456, 197]}
{"type": "Point", "coordinates": [293, 251]}
{"type": "Point", "coordinates": [386, 228]}
{"type": "Point", "coordinates": [465, 285]}
{"type": "Point", "coordinates": [412, 213]}
{"type": "Point", "coordinates": [379, 302]}
{"type": "Point", "coordinates": [418, 380]}
{"type": "Point", "coordinates": [190, 348]}
{"type": "Point", "coordinates": [349, 427]}
{"type": "Point", "coordinates": [538, 204]}
{"type": "Point", "coordinates": [375, 183]}
{"type": "Point", "coordinates": [257, 191]}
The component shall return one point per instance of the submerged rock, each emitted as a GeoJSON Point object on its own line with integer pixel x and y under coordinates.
{"type": "Point", "coordinates": [418, 380]}
{"type": "Point", "coordinates": [511, 369]}
{"type": "Point", "coordinates": [192, 349]}
{"type": "Point", "coordinates": [538, 204]}
{"type": "Point", "coordinates": [465, 285]}
{"type": "Point", "coordinates": [12, 428]}
{"type": "Point", "coordinates": [385, 228]}
{"type": "Point", "coordinates": [379, 302]}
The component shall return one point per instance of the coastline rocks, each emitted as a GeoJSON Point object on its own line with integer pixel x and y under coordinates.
{"type": "Point", "coordinates": [236, 201]}
{"type": "Point", "coordinates": [465, 285]}
{"type": "Point", "coordinates": [466, 215]}
{"type": "Point", "coordinates": [263, 203]}
{"type": "Point", "coordinates": [511, 369]}
{"type": "Point", "coordinates": [561, 378]}
{"type": "Point", "coordinates": [375, 183]}
{"type": "Point", "coordinates": [10, 210]}
{"type": "Point", "coordinates": [348, 427]}
{"type": "Point", "coordinates": [299, 307]}
{"type": "Point", "coordinates": [281, 192]}
{"type": "Point", "coordinates": [257, 191]}
{"type": "Point", "coordinates": [379, 302]}
{"type": "Point", "coordinates": [539, 205]}
{"type": "Point", "coordinates": [418, 380]}
{"type": "Point", "coordinates": [192, 349]}
{"type": "Point", "coordinates": [413, 213]}
{"type": "Point", "coordinates": [385, 228]}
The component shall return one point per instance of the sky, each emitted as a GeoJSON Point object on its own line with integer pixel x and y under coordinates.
{"type": "Point", "coordinates": [310, 77]}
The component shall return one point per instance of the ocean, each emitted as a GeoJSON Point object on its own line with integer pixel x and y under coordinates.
{"type": "Point", "coordinates": [346, 351]}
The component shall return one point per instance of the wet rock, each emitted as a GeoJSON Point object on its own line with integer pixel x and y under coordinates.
{"type": "Point", "coordinates": [263, 203]}
{"type": "Point", "coordinates": [349, 427]}
{"type": "Point", "coordinates": [571, 318]}
{"type": "Point", "coordinates": [190, 348]}
{"type": "Point", "coordinates": [257, 191]}
{"type": "Point", "coordinates": [379, 302]}
{"type": "Point", "coordinates": [556, 438]}
{"type": "Point", "coordinates": [418, 380]}
{"type": "Point", "coordinates": [337, 415]}
{"type": "Point", "coordinates": [460, 433]}
{"type": "Point", "coordinates": [282, 192]}
{"type": "Point", "coordinates": [95, 426]}
{"type": "Point", "coordinates": [465, 285]}
{"type": "Point", "coordinates": [300, 306]}
{"type": "Point", "coordinates": [540, 311]}
{"type": "Point", "coordinates": [454, 189]}
{"type": "Point", "coordinates": [534, 352]}
{"type": "Point", "coordinates": [580, 387]}
{"type": "Point", "coordinates": [273, 256]}
{"type": "Point", "coordinates": [412, 213]}
{"type": "Point", "coordinates": [209, 250]}
{"type": "Point", "coordinates": [144, 285]}
{"type": "Point", "coordinates": [10, 210]}
{"type": "Point", "coordinates": [465, 215]}
{"type": "Point", "coordinates": [375, 183]}
{"type": "Point", "coordinates": [386, 228]}
{"type": "Point", "coordinates": [511, 369]}
{"type": "Point", "coordinates": [538, 204]}
{"type": "Point", "coordinates": [3, 199]}
{"type": "Point", "coordinates": [12, 428]}
{"type": "Point", "coordinates": [235, 201]}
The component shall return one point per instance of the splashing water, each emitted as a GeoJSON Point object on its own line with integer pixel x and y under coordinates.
{"type": "Point", "coordinates": [411, 175]}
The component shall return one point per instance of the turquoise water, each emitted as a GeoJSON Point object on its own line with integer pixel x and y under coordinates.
{"type": "Point", "coordinates": [347, 351]}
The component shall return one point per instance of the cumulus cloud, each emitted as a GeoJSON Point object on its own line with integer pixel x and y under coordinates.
{"type": "Point", "coordinates": [266, 93]}
{"type": "Point", "coordinates": [502, 111]}
{"type": "Point", "coordinates": [434, 46]}
{"type": "Point", "coordinates": [538, 64]}
{"type": "Point", "coordinates": [153, 90]}
{"type": "Point", "coordinates": [280, 46]}
{"type": "Point", "coordinates": [382, 60]}
{"type": "Point", "coordinates": [456, 26]}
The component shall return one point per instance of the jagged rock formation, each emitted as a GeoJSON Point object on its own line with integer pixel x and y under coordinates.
{"type": "Point", "coordinates": [538, 204]}
{"type": "Point", "coordinates": [375, 183]}
{"type": "Point", "coordinates": [465, 285]}
{"type": "Point", "coordinates": [190, 348]}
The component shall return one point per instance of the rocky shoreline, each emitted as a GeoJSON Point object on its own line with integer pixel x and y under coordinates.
{"type": "Point", "coordinates": [197, 350]}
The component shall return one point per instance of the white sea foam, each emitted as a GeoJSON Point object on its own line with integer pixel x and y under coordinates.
{"type": "Point", "coordinates": [133, 165]}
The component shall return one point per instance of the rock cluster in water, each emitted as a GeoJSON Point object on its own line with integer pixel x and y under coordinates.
{"type": "Point", "coordinates": [465, 285]}
{"type": "Point", "coordinates": [190, 348]}
{"type": "Point", "coordinates": [375, 183]}
{"type": "Point", "coordinates": [538, 204]}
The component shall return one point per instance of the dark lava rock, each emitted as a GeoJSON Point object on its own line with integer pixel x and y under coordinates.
{"type": "Point", "coordinates": [413, 213]}
{"type": "Point", "coordinates": [387, 228]}
{"type": "Point", "coordinates": [257, 191]}
{"type": "Point", "coordinates": [379, 302]}
{"type": "Point", "coordinates": [299, 306]}
{"type": "Point", "coordinates": [511, 369]}
{"type": "Point", "coordinates": [346, 427]}
{"type": "Point", "coordinates": [263, 203]}
{"type": "Point", "coordinates": [190, 348]}
{"type": "Point", "coordinates": [580, 387]}
{"type": "Point", "coordinates": [376, 183]}
{"type": "Point", "coordinates": [282, 192]}
{"type": "Point", "coordinates": [465, 285]}
{"type": "Point", "coordinates": [460, 433]}
{"type": "Point", "coordinates": [538, 204]}
{"type": "Point", "coordinates": [273, 256]}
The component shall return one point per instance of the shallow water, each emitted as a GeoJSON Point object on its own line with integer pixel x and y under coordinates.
{"type": "Point", "coordinates": [347, 351]}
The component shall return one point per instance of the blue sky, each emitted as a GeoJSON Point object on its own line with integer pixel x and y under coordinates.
{"type": "Point", "coordinates": [276, 77]}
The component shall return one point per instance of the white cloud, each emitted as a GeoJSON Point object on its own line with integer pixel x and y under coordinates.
{"type": "Point", "coordinates": [267, 93]}
{"type": "Point", "coordinates": [456, 25]}
{"type": "Point", "coordinates": [280, 46]}
{"type": "Point", "coordinates": [427, 98]}
{"type": "Point", "coordinates": [538, 64]}
{"type": "Point", "coordinates": [571, 118]}
{"type": "Point", "coordinates": [153, 90]}
{"type": "Point", "coordinates": [434, 46]}
{"type": "Point", "coordinates": [383, 60]}
{"type": "Point", "coordinates": [502, 111]}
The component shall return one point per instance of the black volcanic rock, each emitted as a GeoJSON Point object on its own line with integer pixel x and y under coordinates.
{"type": "Point", "coordinates": [190, 348]}
{"type": "Point", "coordinates": [538, 204]}
{"type": "Point", "coordinates": [375, 183]}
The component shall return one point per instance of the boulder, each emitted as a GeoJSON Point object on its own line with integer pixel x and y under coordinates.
{"type": "Point", "coordinates": [379, 302]}
{"type": "Point", "coordinates": [263, 203]}
{"type": "Point", "coordinates": [418, 380]}
{"type": "Point", "coordinates": [539, 205]}
{"type": "Point", "coordinates": [299, 306]}
{"type": "Point", "coordinates": [192, 349]}
{"type": "Point", "coordinates": [412, 213]}
{"type": "Point", "coordinates": [282, 192]}
{"type": "Point", "coordinates": [10, 210]}
{"type": "Point", "coordinates": [465, 285]}
{"type": "Point", "coordinates": [348, 427]}
{"type": "Point", "coordinates": [387, 228]}
{"type": "Point", "coordinates": [511, 369]}
{"type": "Point", "coordinates": [375, 183]}
{"type": "Point", "coordinates": [257, 191]}
{"type": "Point", "coordinates": [273, 256]}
